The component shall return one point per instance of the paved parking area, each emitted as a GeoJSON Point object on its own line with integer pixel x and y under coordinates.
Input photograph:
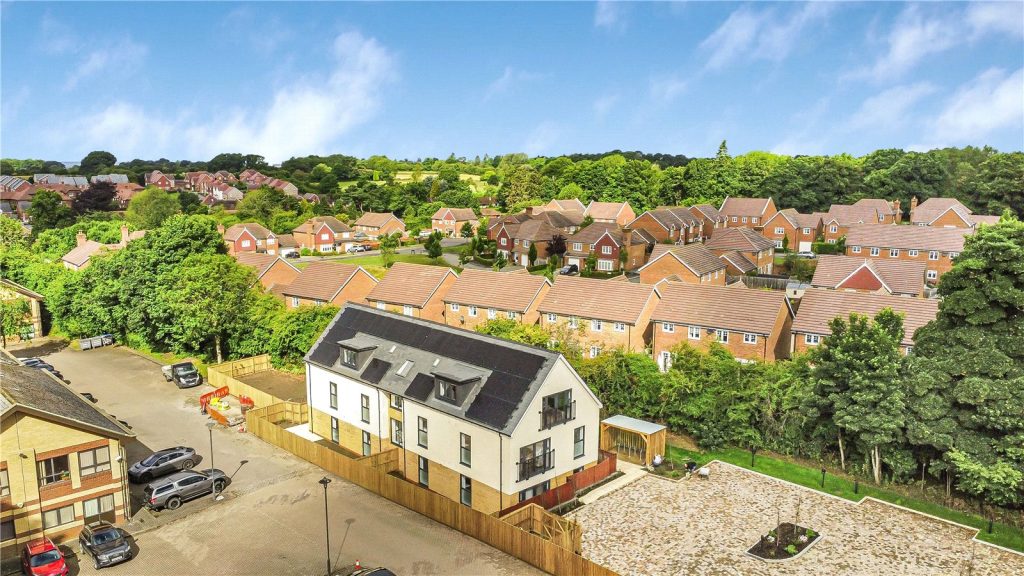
{"type": "Point", "coordinates": [659, 527]}
{"type": "Point", "coordinates": [272, 518]}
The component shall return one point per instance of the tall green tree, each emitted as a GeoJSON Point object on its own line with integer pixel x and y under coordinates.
{"type": "Point", "coordinates": [433, 245]}
{"type": "Point", "coordinates": [388, 244]}
{"type": "Point", "coordinates": [12, 233]}
{"type": "Point", "coordinates": [98, 197]}
{"type": "Point", "coordinates": [13, 318]}
{"type": "Point", "coordinates": [48, 211]}
{"type": "Point", "coordinates": [97, 161]}
{"type": "Point", "coordinates": [151, 207]}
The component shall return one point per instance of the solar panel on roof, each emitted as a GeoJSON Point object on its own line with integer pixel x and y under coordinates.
{"type": "Point", "coordinates": [420, 387]}
{"type": "Point", "coordinates": [375, 370]}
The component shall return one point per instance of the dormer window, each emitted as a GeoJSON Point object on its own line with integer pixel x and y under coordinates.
{"type": "Point", "coordinates": [348, 357]}
{"type": "Point", "coordinates": [446, 391]}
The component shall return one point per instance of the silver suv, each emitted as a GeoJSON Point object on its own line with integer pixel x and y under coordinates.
{"type": "Point", "coordinates": [171, 491]}
{"type": "Point", "coordinates": [163, 462]}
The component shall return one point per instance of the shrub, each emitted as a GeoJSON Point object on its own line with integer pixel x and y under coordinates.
{"type": "Point", "coordinates": [791, 549]}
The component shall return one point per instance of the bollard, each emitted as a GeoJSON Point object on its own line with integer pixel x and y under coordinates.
{"type": "Point", "coordinates": [990, 526]}
{"type": "Point", "coordinates": [856, 486]}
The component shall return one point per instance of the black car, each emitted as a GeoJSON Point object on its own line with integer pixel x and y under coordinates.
{"type": "Point", "coordinates": [569, 270]}
{"type": "Point", "coordinates": [291, 255]}
{"type": "Point", "coordinates": [104, 543]}
{"type": "Point", "coordinates": [164, 462]}
{"type": "Point", "coordinates": [183, 374]}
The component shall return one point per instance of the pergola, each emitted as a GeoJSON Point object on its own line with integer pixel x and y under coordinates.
{"type": "Point", "coordinates": [633, 440]}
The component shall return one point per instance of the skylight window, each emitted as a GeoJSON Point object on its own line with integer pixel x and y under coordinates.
{"type": "Point", "coordinates": [403, 370]}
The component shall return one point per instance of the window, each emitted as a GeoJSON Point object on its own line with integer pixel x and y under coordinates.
{"type": "Point", "coordinates": [396, 432]}
{"type": "Point", "coordinates": [396, 402]}
{"type": "Point", "coordinates": [511, 315]}
{"type": "Point", "coordinates": [492, 313]}
{"type": "Point", "coordinates": [754, 220]}
{"type": "Point", "coordinates": [295, 301]}
{"type": "Point", "coordinates": [833, 229]}
{"type": "Point", "coordinates": [455, 307]}
{"type": "Point", "coordinates": [912, 253]}
{"type": "Point", "coordinates": [780, 230]}
{"type": "Point", "coordinates": [778, 243]}
{"type": "Point", "coordinates": [472, 311]}
{"type": "Point", "coordinates": [504, 241]}
{"type": "Point", "coordinates": [335, 436]}
{"type": "Point", "coordinates": [831, 241]}
{"type": "Point", "coordinates": [619, 327]}
{"type": "Point", "coordinates": [744, 219]}
{"type": "Point", "coordinates": [855, 249]}
{"type": "Point", "coordinates": [604, 265]}
{"type": "Point", "coordinates": [366, 443]}
{"type": "Point", "coordinates": [693, 333]}
{"type": "Point", "coordinates": [7, 531]}
{"type": "Point", "coordinates": [807, 231]}
{"type": "Point", "coordinates": [750, 338]}
{"type": "Point", "coordinates": [424, 471]}
{"type": "Point", "coordinates": [54, 470]}
{"type": "Point", "coordinates": [101, 508]}
{"type": "Point", "coordinates": [733, 218]}
{"type": "Point", "coordinates": [465, 490]}
{"type": "Point", "coordinates": [606, 249]}
{"type": "Point", "coordinates": [722, 336]}
{"type": "Point", "coordinates": [421, 429]}
{"type": "Point", "coordinates": [894, 252]}
{"type": "Point", "coordinates": [407, 310]}
{"type": "Point", "coordinates": [577, 442]}
{"type": "Point", "coordinates": [908, 350]}
{"type": "Point", "coordinates": [536, 458]}
{"type": "Point", "coordinates": [594, 351]}
{"type": "Point", "coordinates": [552, 318]}
{"type": "Point", "coordinates": [59, 516]}
{"type": "Point", "coordinates": [5, 483]}
{"type": "Point", "coordinates": [325, 237]}
{"type": "Point", "coordinates": [334, 395]}
{"type": "Point", "coordinates": [577, 246]}
{"type": "Point", "coordinates": [668, 327]}
{"type": "Point", "coordinates": [574, 322]}
{"type": "Point", "coordinates": [93, 461]}
{"type": "Point", "coordinates": [534, 490]}
{"type": "Point", "coordinates": [465, 450]}
{"type": "Point", "coordinates": [874, 251]}
{"type": "Point", "coordinates": [403, 370]}
{"type": "Point", "coordinates": [811, 339]}
{"type": "Point", "coordinates": [526, 243]}
{"type": "Point", "coordinates": [596, 325]}
{"type": "Point", "coordinates": [932, 275]}
{"type": "Point", "coordinates": [557, 409]}
{"type": "Point", "coordinates": [933, 255]}
{"type": "Point", "coordinates": [246, 243]}
{"type": "Point", "coordinates": [953, 255]}
{"type": "Point", "coordinates": [380, 305]}
{"type": "Point", "coordinates": [364, 408]}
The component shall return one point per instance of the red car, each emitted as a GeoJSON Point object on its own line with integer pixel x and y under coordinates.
{"type": "Point", "coordinates": [41, 558]}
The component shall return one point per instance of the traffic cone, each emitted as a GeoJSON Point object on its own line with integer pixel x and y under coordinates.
{"type": "Point", "coordinates": [358, 567]}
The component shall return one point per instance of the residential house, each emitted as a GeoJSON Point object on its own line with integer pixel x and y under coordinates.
{"type": "Point", "coordinates": [754, 247]}
{"type": "Point", "coordinates": [837, 221]}
{"type": "Point", "coordinates": [324, 234]}
{"type": "Point", "coordinates": [250, 175]}
{"type": "Point", "coordinates": [690, 263]}
{"type": "Point", "coordinates": [670, 224]}
{"type": "Point", "coordinates": [109, 178]}
{"type": "Point", "coordinates": [481, 295]}
{"type": "Point", "coordinates": [377, 224]}
{"type": "Point", "coordinates": [249, 237]}
{"type": "Point", "coordinates": [77, 182]}
{"type": "Point", "coordinates": [792, 230]}
{"type": "Point", "coordinates": [449, 221]}
{"type": "Point", "coordinates": [946, 213]}
{"type": "Point", "coordinates": [747, 212]}
{"type": "Point", "coordinates": [81, 255]}
{"type": "Point", "coordinates": [414, 290]}
{"type": "Point", "coordinates": [878, 275]}
{"type": "Point", "coordinates": [736, 264]}
{"type": "Point", "coordinates": [16, 196]}
{"type": "Point", "coordinates": [125, 192]}
{"type": "Point", "coordinates": [608, 315]}
{"type": "Point", "coordinates": [225, 176]}
{"type": "Point", "coordinates": [286, 244]}
{"type": "Point", "coordinates": [484, 421]}
{"type": "Point", "coordinates": [568, 205]}
{"type": "Point", "coordinates": [160, 180]}
{"type": "Point", "coordinates": [612, 246]}
{"type": "Point", "coordinates": [936, 247]}
{"type": "Point", "coordinates": [711, 219]}
{"type": "Point", "coordinates": [224, 192]}
{"type": "Point", "coordinates": [888, 212]}
{"type": "Point", "coordinates": [62, 460]}
{"type": "Point", "coordinates": [567, 222]}
{"type": "Point", "coordinates": [620, 213]}
{"type": "Point", "coordinates": [311, 198]}
{"type": "Point", "coordinates": [33, 321]}
{"type": "Point", "coordinates": [490, 213]}
{"type": "Point", "coordinates": [750, 324]}
{"type": "Point", "coordinates": [328, 282]}
{"type": "Point", "coordinates": [819, 307]}
{"type": "Point", "coordinates": [270, 270]}
{"type": "Point", "coordinates": [513, 241]}
{"type": "Point", "coordinates": [278, 184]}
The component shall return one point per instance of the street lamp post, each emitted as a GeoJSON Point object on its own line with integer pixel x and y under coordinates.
{"type": "Point", "coordinates": [209, 426]}
{"type": "Point", "coordinates": [327, 523]}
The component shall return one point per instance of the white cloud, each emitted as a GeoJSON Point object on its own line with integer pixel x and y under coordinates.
{"type": "Point", "coordinates": [996, 17]}
{"type": "Point", "coordinates": [509, 80]}
{"type": "Point", "coordinates": [890, 108]}
{"type": "Point", "coordinates": [55, 37]}
{"type": "Point", "coordinates": [798, 145]}
{"type": "Point", "coordinates": [990, 102]}
{"type": "Point", "coordinates": [273, 33]}
{"type": "Point", "coordinates": [603, 105]}
{"type": "Point", "coordinates": [761, 34]}
{"type": "Point", "coordinates": [121, 57]}
{"type": "Point", "coordinates": [609, 15]}
{"type": "Point", "coordinates": [667, 88]}
{"type": "Point", "coordinates": [542, 138]}
{"type": "Point", "coordinates": [13, 102]}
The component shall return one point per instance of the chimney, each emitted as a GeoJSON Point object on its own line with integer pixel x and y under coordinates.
{"type": "Point", "coordinates": [220, 229]}
{"type": "Point", "coordinates": [529, 210]}
{"type": "Point", "coordinates": [627, 233]}
{"type": "Point", "coordinates": [124, 235]}
{"type": "Point", "coordinates": [913, 203]}
{"type": "Point", "coordinates": [80, 239]}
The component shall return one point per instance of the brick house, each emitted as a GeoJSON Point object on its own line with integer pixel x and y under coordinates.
{"type": "Point", "coordinates": [887, 212]}
{"type": "Point", "coordinates": [793, 230]}
{"type": "Point", "coordinates": [895, 277]}
{"type": "Point", "coordinates": [323, 234]}
{"type": "Point", "coordinates": [567, 222]}
{"type": "Point", "coordinates": [81, 255]}
{"type": "Point", "coordinates": [160, 180]}
{"type": "Point", "coordinates": [751, 324]}
{"type": "Point", "coordinates": [747, 212]}
{"type": "Point", "coordinates": [606, 314]}
{"type": "Point", "coordinates": [249, 237]}
{"type": "Point", "coordinates": [327, 282]}
{"type": "Point", "coordinates": [270, 270]}
{"type": "Point", "coordinates": [608, 242]}
{"type": "Point", "coordinates": [377, 224]}
{"type": "Point", "coordinates": [711, 219]}
{"type": "Point", "coordinates": [819, 307]}
{"type": "Point", "coordinates": [514, 240]}
{"type": "Point", "coordinates": [670, 224]}
{"type": "Point", "coordinates": [690, 263]}
{"type": "Point", "coordinates": [449, 221]}
{"type": "Point", "coordinates": [757, 249]}
{"type": "Point", "coordinates": [620, 213]}
{"type": "Point", "coordinates": [62, 460]}
{"type": "Point", "coordinates": [415, 290]}
{"type": "Point", "coordinates": [946, 213]}
{"type": "Point", "coordinates": [569, 205]}
{"type": "Point", "coordinates": [33, 325]}
{"type": "Point", "coordinates": [125, 193]}
{"type": "Point", "coordinates": [837, 221]}
{"type": "Point", "coordinates": [481, 295]}
{"type": "Point", "coordinates": [936, 247]}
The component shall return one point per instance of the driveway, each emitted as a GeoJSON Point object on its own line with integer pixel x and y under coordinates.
{"type": "Point", "coordinates": [271, 520]}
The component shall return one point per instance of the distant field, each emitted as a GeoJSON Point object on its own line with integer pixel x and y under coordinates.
{"type": "Point", "coordinates": [373, 265]}
{"type": "Point", "coordinates": [474, 180]}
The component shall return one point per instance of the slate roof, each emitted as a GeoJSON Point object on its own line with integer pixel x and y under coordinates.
{"type": "Point", "coordinates": [600, 299]}
{"type": "Point", "coordinates": [908, 237]}
{"type": "Point", "coordinates": [323, 280]}
{"type": "Point", "coordinates": [411, 284]}
{"type": "Point", "coordinates": [374, 219]}
{"type": "Point", "coordinates": [818, 307]}
{"type": "Point", "coordinates": [459, 214]}
{"type": "Point", "coordinates": [740, 310]}
{"type": "Point", "coordinates": [741, 239]}
{"type": "Point", "coordinates": [900, 276]}
{"type": "Point", "coordinates": [696, 257]}
{"type": "Point", "coordinates": [510, 374]}
{"type": "Point", "coordinates": [754, 207]}
{"type": "Point", "coordinates": [258, 231]}
{"type": "Point", "coordinates": [500, 290]}
{"type": "Point", "coordinates": [112, 178]}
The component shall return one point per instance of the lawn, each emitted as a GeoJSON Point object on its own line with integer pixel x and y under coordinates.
{"type": "Point", "coordinates": [372, 263]}
{"type": "Point", "coordinates": [810, 477]}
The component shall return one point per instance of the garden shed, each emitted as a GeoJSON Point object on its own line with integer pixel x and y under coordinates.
{"type": "Point", "coordinates": [632, 439]}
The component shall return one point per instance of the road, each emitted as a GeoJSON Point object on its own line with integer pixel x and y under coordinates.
{"type": "Point", "coordinates": [414, 249]}
{"type": "Point", "coordinates": [271, 520]}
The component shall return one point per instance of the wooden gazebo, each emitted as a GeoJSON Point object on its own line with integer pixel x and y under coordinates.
{"type": "Point", "coordinates": [633, 440]}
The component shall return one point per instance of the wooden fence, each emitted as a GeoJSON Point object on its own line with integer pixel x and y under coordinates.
{"type": "Point", "coordinates": [573, 484]}
{"type": "Point", "coordinates": [386, 461]}
{"type": "Point", "coordinates": [227, 373]}
{"type": "Point", "coordinates": [561, 531]}
{"type": "Point", "coordinates": [522, 544]}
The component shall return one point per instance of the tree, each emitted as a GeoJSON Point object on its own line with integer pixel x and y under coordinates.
{"type": "Point", "coordinates": [329, 185]}
{"type": "Point", "coordinates": [590, 264]}
{"type": "Point", "coordinates": [500, 261]}
{"type": "Point", "coordinates": [433, 245]}
{"type": "Point", "coordinates": [12, 233]}
{"type": "Point", "coordinates": [388, 244]}
{"type": "Point", "coordinates": [13, 318]}
{"type": "Point", "coordinates": [557, 245]}
{"type": "Point", "coordinates": [531, 254]}
{"type": "Point", "coordinates": [96, 162]}
{"type": "Point", "coordinates": [151, 207]}
{"type": "Point", "coordinates": [295, 332]}
{"type": "Point", "coordinates": [261, 204]}
{"type": "Point", "coordinates": [467, 230]}
{"type": "Point", "coordinates": [999, 483]}
{"type": "Point", "coordinates": [98, 197]}
{"type": "Point", "coordinates": [48, 211]}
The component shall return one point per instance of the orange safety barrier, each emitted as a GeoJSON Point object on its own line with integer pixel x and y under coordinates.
{"type": "Point", "coordinates": [204, 400]}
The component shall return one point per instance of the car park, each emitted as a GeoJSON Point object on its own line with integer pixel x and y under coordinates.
{"type": "Point", "coordinates": [170, 492]}
{"type": "Point", "coordinates": [569, 270]}
{"type": "Point", "coordinates": [40, 557]}
{"type": "Point", "coordinates": [162, 463]}
{"type": "Point", "coordinates": [183, 374]}
{"type": "Point", "coordinates": [104, 543]}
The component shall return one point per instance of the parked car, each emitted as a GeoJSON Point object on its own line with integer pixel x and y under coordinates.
{"type": "Point", "coordinates": [183, 374]}
{"type": "Point", "coordinates": [357, 571]}
{"type": "Point", "coordinates": [291, 254]}
{"type": "Point", "coordinates": [40, 364]}
{"type": "Point", "coordinates": [33, 362]}
{"type": "Point", "coordinates": [171, 491]}
{"type": "Point", "coordinates": [806, 254]}
{"type": "Point", "coordinates": [569, 270]}
{"type": "Point", "coordinates": [105, 543]}
{"type": "Point", "coordinates": [163, 462]}
{"type": "Point", "coordinates": [40, 557]}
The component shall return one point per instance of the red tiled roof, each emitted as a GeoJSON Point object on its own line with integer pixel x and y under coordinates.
{"type": "Point", "coordinates": [706, 306]}
{"type": "Point", "coordinates": [900, 276]}
{"type": "Point", "coordinates": [605, 210]}
{"type": "Point", "coordinates": [742, 239]}
{"type": "Point", "coordinates": [458, 214]}
{"type": "Point", "coordinates": [375, 219]}
{"type": "Point", "coordinates": [744, 206]}
{"type": "Point", "coordinates": [411, 284]}
{"type": "Point", "coordinates": [908, 237]}
{"type": "Point", "coordinates": [818, 307]}
{"type": "Point", "coordinates": [501, 290]}
{"type": "Point", "coordinates": [323, 280]}
{"type": "Point", "coordinates": [696, 257]}
{"type": "Point", "coordinates": [600, 299]}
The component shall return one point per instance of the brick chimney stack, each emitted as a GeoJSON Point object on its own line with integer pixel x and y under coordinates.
{"type": "Point", "coordinates": [80, 239]}
{"type": "Point", "coordinates": [627, 234]}
{"type": "Point", "coordinates": [530, 210]}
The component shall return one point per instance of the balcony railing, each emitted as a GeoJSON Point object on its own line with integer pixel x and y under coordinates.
{"type": "Point", "coordinates": [551, 417]}
{"type": "Point", "coordinates": [537, 465]}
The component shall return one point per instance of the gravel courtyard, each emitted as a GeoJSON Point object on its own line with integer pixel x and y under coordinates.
{"type": "Point", "coordinates": [658, 527]}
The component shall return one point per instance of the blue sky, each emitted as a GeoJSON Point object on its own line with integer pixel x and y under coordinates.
{"type": "Point", "coordinates": [411, 80]}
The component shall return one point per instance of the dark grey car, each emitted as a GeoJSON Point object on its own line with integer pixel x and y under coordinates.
{"type": "Point", "coordinates": [163, 462]}
{"type": "Point", "coordinates": [105, 543]}
{"type": "Point", "coordinates": [171, 491]}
